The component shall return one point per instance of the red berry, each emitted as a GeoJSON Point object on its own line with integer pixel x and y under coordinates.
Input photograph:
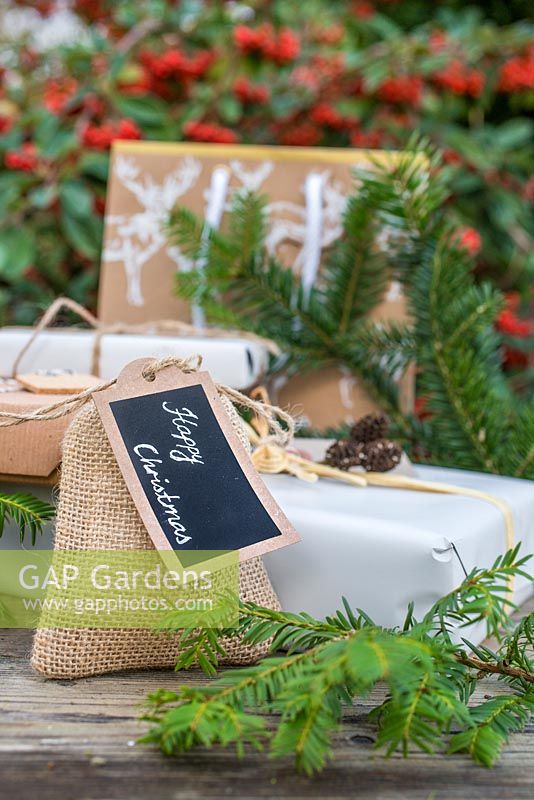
{"type": "Point", "coordinates": [302, 135]}
{"type": "Point", "coordinates": [509, 323]}
{"type": "Point", "coordinates": [469, 239]}
{"type": "Point", "coordinates": [248, 92]}
{"type": "Point", "coordinates": [206, 132]}
{"type": "Point", "coordinates": [6, 123]}
{"type": "Point", "coordinates": [287, 46]}
{"type": "Point", "coordinates": [517, 74]}
{"type": "Point", "coordinates": [100, 137]}
{"type": "Point", "coordinates": [127, 129]}
{"type": "Point", "coordinates": [327, 115]}
{"type": "Point", "coordinates": [402, 89]}
{"type": "Point", "coordinates": [25, 159]}
{"type": "Point", "coordinates": [370, 139]}
{"type": "Point", "coordinates": [57, 94]}
{"type": "Point", "coordinates": [364, 9]}
{"type": "Point", "coordinates": [457, 78]}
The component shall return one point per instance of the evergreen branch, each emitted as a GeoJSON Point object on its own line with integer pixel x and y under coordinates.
{"type": "Point", "coordinates": [494, 721]}
{"type": "Point", "coordinates": [307, 721]}
{"type": "Point", "coordinates": [184, 230]}
{"type": "Point", "coordinates": [410, 196]}
{"type": "Point", "coordinates": [356, 272]}
{"type": "Point", "coordinates": [395, 225]}
{"type": "Point", "coordinates": [499, 668]}
{"type": "Point", "coordinates": [487, 304]}
{"type": "Point", "coordinates": [450, 381]}
{"type": "Point", "coordinates": [518, 645]}
{"type": "Point", "coordinates": [247, 225]}
{"type": "Point", "coordinates": [523, 434]}
{"type": "Point", "coordinates": [332, 661]}
{"type": "Point", "coordinates": [27, 511]}
{"type": "Point", "coordinates": [420, 714]}
{"type": "Point", "coordinates": [199, 647]}
{"type": "Point", "coordinates": [524, 468]}
{"type": "Point", "coordinates": [382, 340]}
{"type": "Point", "coordinates": [482, 596]}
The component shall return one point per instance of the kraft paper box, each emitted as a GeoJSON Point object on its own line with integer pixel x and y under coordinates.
{"type": "Point", "coordinates": [31, 449]}
{"type": "Point", "coordinates": [332, 396]}
{"type": "Point", "coordinates": [238, 363]}
{"type": "Point", "coordinates": [307, 189]}
{"type": "Point", "coordinates": [383, 548]}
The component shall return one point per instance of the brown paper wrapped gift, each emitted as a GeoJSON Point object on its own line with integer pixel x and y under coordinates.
{"type": "Point", "coordinates": [147, 179]}
{"type": "Point", "coordinates": [31, 449]}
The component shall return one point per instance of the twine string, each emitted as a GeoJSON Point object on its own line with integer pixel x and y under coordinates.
{"type": "Point", "coordinates": [48, 317]}
{"type": "Point", "coordinates": [170, 326]}
{"type": "Point", "coordinates": [280, 423]}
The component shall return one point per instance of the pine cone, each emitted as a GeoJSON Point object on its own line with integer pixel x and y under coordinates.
{"type": "Point", "coordinates": [370, 428]}
{"type": "Point", "coordinates": [344, 454]}
{"type": "Point", "coordinates": [381, 455]}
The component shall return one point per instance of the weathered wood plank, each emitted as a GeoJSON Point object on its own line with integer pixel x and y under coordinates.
{"type": "Point", "coordinates": [78, 740]}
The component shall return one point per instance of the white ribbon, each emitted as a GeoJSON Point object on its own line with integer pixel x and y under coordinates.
{"type": "Point", "coordinates": [313, 236]}
{"type": "Point", "coordinates": [218, 191]}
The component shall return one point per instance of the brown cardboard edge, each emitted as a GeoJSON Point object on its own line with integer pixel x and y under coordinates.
{"type": "Point", "coordinates": [33, 480]}
{"type": "Point", "coordinates": [127, 386]}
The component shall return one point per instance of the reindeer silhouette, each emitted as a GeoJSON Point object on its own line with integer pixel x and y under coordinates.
{"type": "Point", "coordinates": [137, 237]}
{"type": "Point", "coordinates": [287, 221]}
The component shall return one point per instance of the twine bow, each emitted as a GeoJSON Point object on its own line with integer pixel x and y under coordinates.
{"type": "Point", "coordinates": [272, 459]}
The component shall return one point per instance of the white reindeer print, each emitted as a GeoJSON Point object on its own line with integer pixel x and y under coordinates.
{"type": "Point", "coordinates": [251, 180]}
{"type": "Point", "coordinates": [288, 221]}
{"type": "Point", "coordinates": [137, 237]}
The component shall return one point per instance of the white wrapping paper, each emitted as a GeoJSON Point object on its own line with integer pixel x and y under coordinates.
{"type": "Point", "coordinates": [383, 548]}
{"type": "Point", "coordinates": [235, 362]}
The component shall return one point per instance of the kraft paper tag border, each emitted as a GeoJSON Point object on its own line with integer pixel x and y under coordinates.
{"type": "Point", "coordinates": [131, 384]}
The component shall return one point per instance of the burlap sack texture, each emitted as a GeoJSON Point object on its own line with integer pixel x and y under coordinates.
{"type": "Point", "coordinates": [95, 512]}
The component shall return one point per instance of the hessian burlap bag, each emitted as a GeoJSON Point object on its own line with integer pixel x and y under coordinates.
{"type": "Point", "coordinates": [96, 512]}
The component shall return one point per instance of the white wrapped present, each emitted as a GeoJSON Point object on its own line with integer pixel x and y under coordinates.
{"type": "Point", "coordinates": [237, 362]}
{"type": "Point", "coordinates": [382, 548]}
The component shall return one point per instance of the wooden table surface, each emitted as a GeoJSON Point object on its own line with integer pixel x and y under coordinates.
{"type": "Point", "coordinates": [64, 740]}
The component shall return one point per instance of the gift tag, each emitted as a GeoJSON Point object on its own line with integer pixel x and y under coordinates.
{"type": "Point", "coordinates": [191, 479]}
{"type": "Point", "coordinates": [57, 382]}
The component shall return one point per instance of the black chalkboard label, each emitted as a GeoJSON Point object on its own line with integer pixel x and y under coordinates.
{"type": "Point", "coordinates": [191, 478]}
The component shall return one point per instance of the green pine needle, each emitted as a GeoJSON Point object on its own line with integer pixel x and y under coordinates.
{"type": "Point", "coordinates": [26, 511]}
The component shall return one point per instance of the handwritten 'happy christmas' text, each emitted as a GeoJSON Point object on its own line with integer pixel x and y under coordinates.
{"type": "Point", "coordinates": [185, 450]}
